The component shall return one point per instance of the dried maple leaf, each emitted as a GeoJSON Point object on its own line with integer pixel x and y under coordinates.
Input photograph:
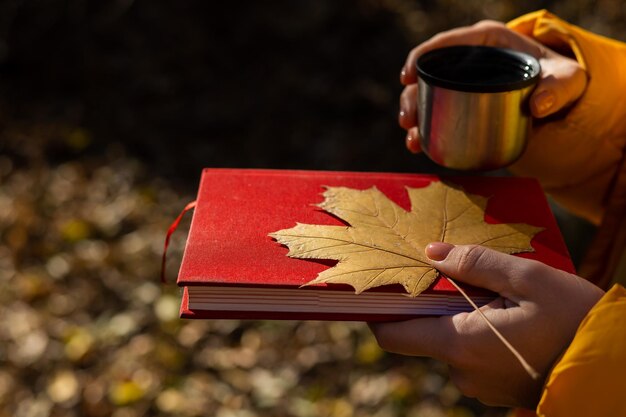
{"type": "Point", "coordinates": [384, 244]}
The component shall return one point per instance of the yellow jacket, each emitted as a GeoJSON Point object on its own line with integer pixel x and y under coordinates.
{"type": "Point", "coordinates": [589, 178]}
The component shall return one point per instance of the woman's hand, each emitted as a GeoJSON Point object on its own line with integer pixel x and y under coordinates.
{"type": "Point", "coordinates": [562, 81]}
{"type": "Point", "coordinates": [538, 310]}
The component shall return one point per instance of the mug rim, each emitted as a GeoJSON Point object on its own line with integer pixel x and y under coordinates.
{"type": "Point", "coordinates": [524, 61]}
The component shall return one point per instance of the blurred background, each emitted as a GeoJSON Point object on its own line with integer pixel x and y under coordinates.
{"type": "Point", "coordinates": [108, 112]}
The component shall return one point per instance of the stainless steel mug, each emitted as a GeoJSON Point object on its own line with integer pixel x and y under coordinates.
{"type": "Point", "coordinates": [472, 105]}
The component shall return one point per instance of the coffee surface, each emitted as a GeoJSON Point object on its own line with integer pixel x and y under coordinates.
{"type": "Point", "coordinates": [478, 68]}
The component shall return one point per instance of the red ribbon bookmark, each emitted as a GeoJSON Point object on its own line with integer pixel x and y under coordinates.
{"type": "Point", "coordinates": [170, 231]}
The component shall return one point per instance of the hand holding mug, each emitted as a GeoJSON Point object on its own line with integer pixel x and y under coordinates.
{"type": "Point", "coordinates": [562, 80]}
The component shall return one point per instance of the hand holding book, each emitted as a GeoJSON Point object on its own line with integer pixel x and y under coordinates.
{"type": "Point", "coordinates": [232, 269]}
{"type": "Point", "coordinates": [538, 310]}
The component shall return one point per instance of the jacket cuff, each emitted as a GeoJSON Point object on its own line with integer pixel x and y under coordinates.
{"type": "Point", "coordinates": [553, 32]}
{"type": "Point", "coordinates": [590, 138]}
{"type": "Point", "coordinates": [588, 379]}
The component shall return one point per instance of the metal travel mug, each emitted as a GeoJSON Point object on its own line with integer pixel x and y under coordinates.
{"type": "Point", "coordinates": [472, 105]}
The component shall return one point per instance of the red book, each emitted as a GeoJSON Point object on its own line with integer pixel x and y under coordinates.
{"type": "Point", "coordinates": [231, 268]}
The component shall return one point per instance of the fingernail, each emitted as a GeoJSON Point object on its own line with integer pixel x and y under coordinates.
{"type": "Point", "coordinates": [438, 251]}
{"type": "Point", "coordinates": [402, 74]}
{"type": "Point", "coordinates": [544, 101]}
{"type": "Point", "coordinates": [413, 144]}
{"type": "Point", "coordinates": [404, 105]}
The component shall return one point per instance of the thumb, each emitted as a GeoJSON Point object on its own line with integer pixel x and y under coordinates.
{"type": "Point", "coordinates": [483, 267]}
{"type": "Point", "coordinates": [562, 82]}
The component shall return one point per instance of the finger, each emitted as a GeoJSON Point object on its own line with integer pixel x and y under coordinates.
{"type": "Point", "coordinates": [498, 303]}
{"type": "Point", "coordinates": [413, 140]}
{"type": "Point", "coordinates": [487, 33]}
{"type": "Point", "coordinates": [429, 336]}
{"type": "Point", "coordinates": [483, 267]}
{"type": "Point", "coordinates": [408, 107]}
{"type": "Point", "coordinates": [562, 82]}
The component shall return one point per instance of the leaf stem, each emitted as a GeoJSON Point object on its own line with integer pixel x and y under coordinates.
{"type": "Point", "coordinates": [529, 369]}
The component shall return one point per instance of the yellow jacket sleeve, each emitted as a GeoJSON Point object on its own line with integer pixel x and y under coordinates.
{"type": "Point", "coordinates": [576, 156]}
{"type": "Point", "coordinates": [588, 380]}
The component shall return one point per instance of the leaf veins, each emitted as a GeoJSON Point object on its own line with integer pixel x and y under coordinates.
{"type": "Point", "coordinates": [384, 244]}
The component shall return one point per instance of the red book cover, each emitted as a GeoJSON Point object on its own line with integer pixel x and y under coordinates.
{"type": "Point", "coordinates": [231, 268]}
